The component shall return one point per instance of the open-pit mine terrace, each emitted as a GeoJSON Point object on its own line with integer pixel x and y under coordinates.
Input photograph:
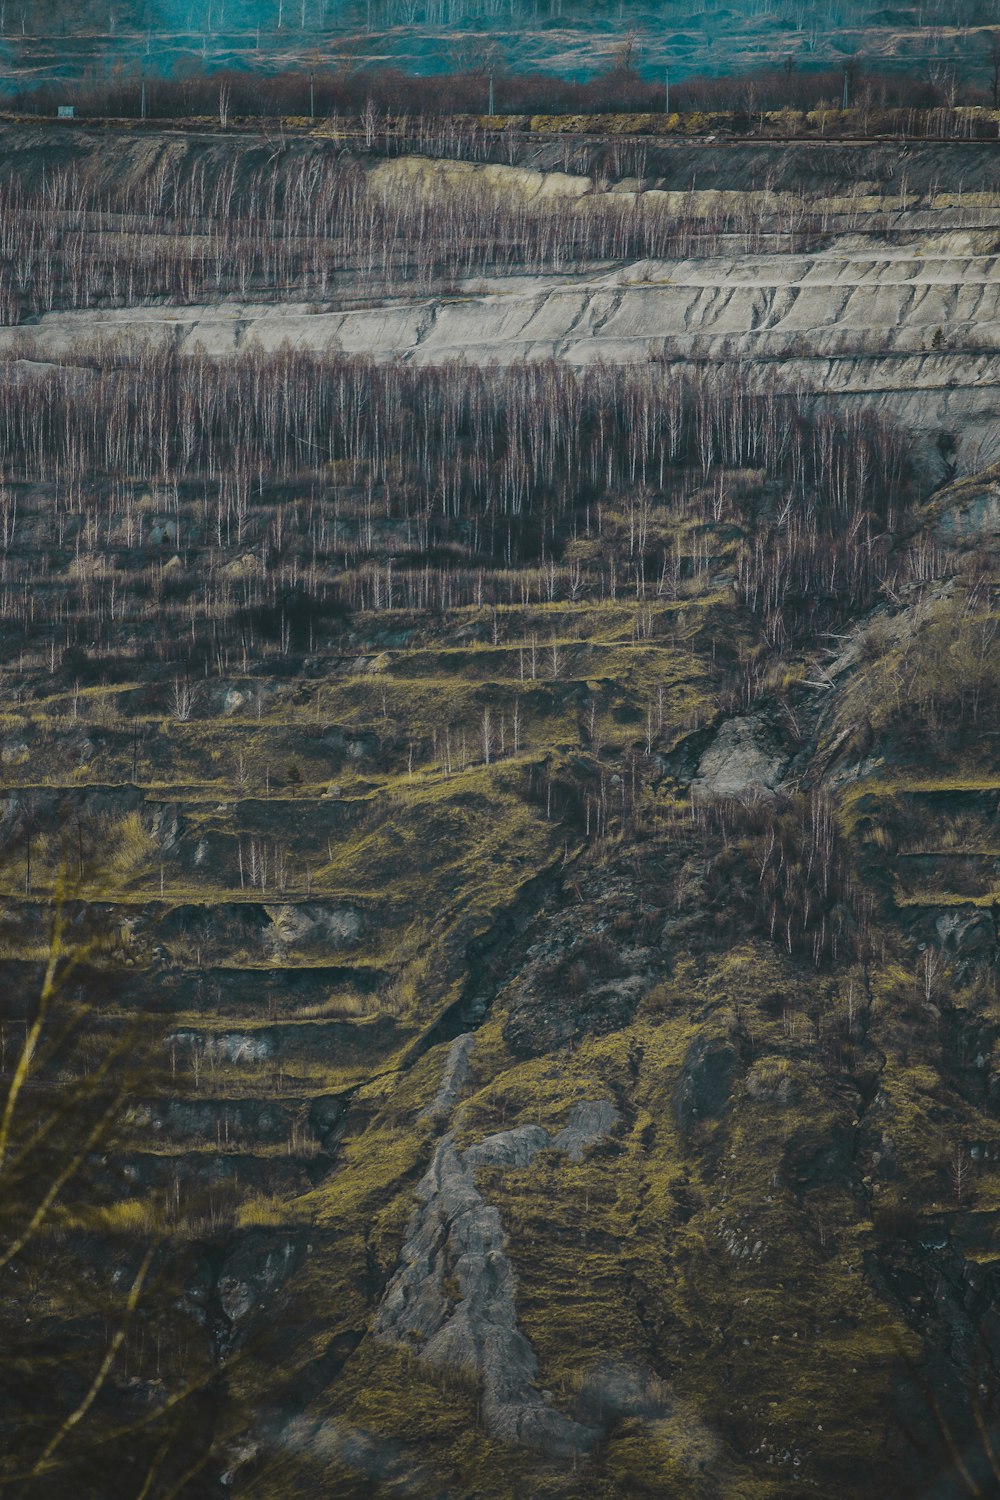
{"type": "Point", "coordinates": [866, 275]}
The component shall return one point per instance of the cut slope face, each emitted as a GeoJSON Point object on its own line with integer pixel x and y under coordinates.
{"type": "Point", "coordinates": [836, 271]}
{"type": "Point", "coordinates": [912, 329]}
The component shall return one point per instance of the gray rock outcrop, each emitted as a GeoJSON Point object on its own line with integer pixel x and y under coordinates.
{"type": "Point", "coordinates": [453, 1080]}
{"type": "Point", "coordinates": [453, 1296]}
{"type": "Point", "coordinates": [744, 758]}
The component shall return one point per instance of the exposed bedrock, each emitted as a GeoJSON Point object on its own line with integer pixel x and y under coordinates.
{"type": "Point", "coordinates": [452, 1298]}
{"type": "Point", "coordinates": [745, 757]}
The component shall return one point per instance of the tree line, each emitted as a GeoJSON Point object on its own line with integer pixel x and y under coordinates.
{"type": "Point", "coordinates": [319, 225]}
{"type": "Point", "coordinates": [359, 486]}
{"type": "Point", "coordinates": [620, 89]}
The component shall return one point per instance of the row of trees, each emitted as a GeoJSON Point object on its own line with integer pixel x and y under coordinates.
{"type": "Point", "coordinates": [621, 89]}
{"type": "Point", "coordinates": [375, 487]}
{"type": "Point", "coordinates": [318, 225]}
{"type": "Point", "coordinates": [532, 440]}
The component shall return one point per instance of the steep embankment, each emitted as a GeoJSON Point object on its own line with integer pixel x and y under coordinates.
{"type": "Point", "coordinates": [878, 289]}
{"type": "Point", "coordinates": [912, 330]}
{"type": "Point", "coordinates": [549, 827]}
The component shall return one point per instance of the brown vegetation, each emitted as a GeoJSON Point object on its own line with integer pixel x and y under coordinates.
{"type": "Point", "coordinates": [404, 97]}
{"type": "Point", "coordinates": [317, 226]}
{"type": "Point", "coordinates": [426, 488]}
